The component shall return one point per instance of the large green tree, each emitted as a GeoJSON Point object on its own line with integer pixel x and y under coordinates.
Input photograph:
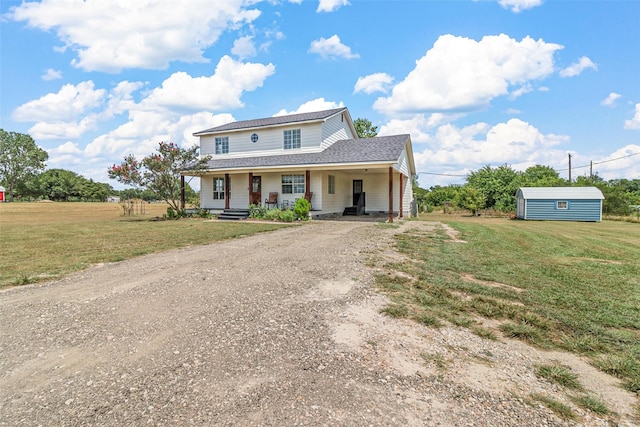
{"type": "Point", "coordinates": [160, 172]}
{"type": "Point", "coordinates": [541, 176]}
{"type": "Point", "coordinates": [497, 185]}
{"type": "Point", "coordinates": [365, 128]}
{"type": "Point", "coordinates": [20, 159]}
{"type": "Point", "coordinates": [470, 198]}
{"type": "Point", "coordinates": [60, 185]}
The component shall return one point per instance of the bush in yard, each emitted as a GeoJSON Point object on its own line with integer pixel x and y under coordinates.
{"type": "Point", "coordinates": [301, 209]}
{"type": "Point", "coordinates": [272, 214]}
{"type": "Point", "coordinates": [287, 216]}
{"type": "Point", "coordinates": [257, 211]}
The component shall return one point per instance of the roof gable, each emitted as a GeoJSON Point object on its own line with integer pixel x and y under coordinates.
{"type": "Point", "coordinates": [273, 121]}
{"type": "Point", "coordinates": [549, 193]}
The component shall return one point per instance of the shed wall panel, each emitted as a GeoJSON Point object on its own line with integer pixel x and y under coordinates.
{"type": "Point", "coordinates": [578, 210]}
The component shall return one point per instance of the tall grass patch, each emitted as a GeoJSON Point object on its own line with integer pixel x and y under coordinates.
{"type": "Point", "coordinates": [567, 285]}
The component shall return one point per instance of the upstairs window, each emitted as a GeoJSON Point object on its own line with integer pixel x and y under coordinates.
{"type": "Point", "coordinates": [222, 145]}
{"type": "Point", "coordinates": [291, 139]}
{"type": "Point", "coordinates": [218, 188]}
{"type": "Point", "coordinates": [292, 184]}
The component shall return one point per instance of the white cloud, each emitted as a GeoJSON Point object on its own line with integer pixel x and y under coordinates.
{"type": "Point", "coordinates": [62, 130]}
{"type": "Point", "coordinates": [378, 82]}
{"type": "Point", "coordinates": [578, 67]}
{"type": "Point", "coordinates": [52, 74]}
{"type": "Point", "coordinates": [74, 110]}
{"type": "Point", "coordinates": [243, 47]}
{"type": "Point", "coordinates": [318, 104]}
{"type": "Point", "coordinates": [419, 126]}
{"type": "Point", "coordinates": [109, 36]}
{"type": "Point", "coordinates": [634, 123]}
{"type": "Point", "coordinates": [621, 163]}
{"type": "Point", "coordinates": [610, 101]}
{"type": "Point", "coordinates": [332, 48]}
{"type": "Point", "coordinates": [517, 6]}
{"type": "Point", "coordinates": [331, 5]}
{"type": "Point", "coordinates": [516, 142]}
{"type": "Point", "coordinates": [526, 88]}
{"type": "Point", "coordinates": [459, 73]}
{"type": "Point", "coordinates": [222, 90]}
{"type": "Point", "coordinates": [66, 105]}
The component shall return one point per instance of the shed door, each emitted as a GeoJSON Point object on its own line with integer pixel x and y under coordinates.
{"type": "Point", "coordinates": [520, 213]}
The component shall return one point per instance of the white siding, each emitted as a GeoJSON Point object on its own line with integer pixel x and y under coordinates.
{"type": "Point", "coordinates": [206, 193]}
{"type": "Point", "coordinates": [408, 197]}
{"type": "Point", "coordinates": [335, 203]}
{"type": "Point", "coordinates": [335, 129]}
{"type": "Point", "coordinates": [270, 141]}
{"type": "Point", "coordinates": [403, 163]}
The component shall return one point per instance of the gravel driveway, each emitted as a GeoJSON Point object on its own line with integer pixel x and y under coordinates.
{"type": "Point", "coordinates": [275, 329]}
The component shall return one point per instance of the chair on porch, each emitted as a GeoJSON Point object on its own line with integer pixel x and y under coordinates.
{"type": "Point", "coordinates": [272, 200]}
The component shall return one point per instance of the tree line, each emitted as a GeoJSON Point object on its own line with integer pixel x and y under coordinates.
{"type": "Point", "coordinates": [156, 177]}
{"type": "Point", "coordinates": [495, 188]}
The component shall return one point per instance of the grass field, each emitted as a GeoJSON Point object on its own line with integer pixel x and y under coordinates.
{"type": "Point", "coordinates": [41, 241]}
{"type": "Point", "coordinates": [567, 285]}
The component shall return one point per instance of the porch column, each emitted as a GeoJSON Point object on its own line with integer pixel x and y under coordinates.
{"type": "Point", "coordinates": [401, 194]}
{"type": "Point", "coordinates": [226, 190]}
{"type": "Point", "coordinates": [390, 194]}
{"type": "Point", "coordinates": [182, 192]}
{"type": "Point", "coordinates": [250, 188]}
{"type": "Point", "coordinates": [307, 184]}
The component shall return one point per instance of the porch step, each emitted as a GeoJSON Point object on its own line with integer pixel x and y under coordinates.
{"type": "Point", "coordinates": [350, 210]}
{"type": "Point", "coordinates": [234, 214]}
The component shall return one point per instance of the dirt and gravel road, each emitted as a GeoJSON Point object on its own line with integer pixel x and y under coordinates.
{"type": "Point", "coordinates": [275, 329]}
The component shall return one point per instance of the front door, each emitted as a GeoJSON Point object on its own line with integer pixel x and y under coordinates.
{"type": "Point", "coordinates": [256, 190]}
{"type": "Point", "coordinates": [357, 189]}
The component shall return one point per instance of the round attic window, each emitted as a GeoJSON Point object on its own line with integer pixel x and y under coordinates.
{"type": "Point", "coordinates": [254, 137]}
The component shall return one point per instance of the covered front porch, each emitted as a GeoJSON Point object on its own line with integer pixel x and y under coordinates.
{"type": "Point", "coordinates": [373, 190]}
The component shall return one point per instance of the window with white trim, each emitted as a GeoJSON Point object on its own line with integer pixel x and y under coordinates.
{"type": "Point", "coordinates": [292, 184]}
{"type": "Point", "coordinates": [562, 205]}
{"type": "Point", "coordinates": [291, 139]}
{"type": "Point", "coordinates": [222, 145]}
{"type": "Point", "coordinates": [332, 184]}
{"type": "Point", "coordinates": [218, 188]}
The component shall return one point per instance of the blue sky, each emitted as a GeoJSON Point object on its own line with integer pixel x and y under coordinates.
{"type": "Point", "coordinates": [475, 83]}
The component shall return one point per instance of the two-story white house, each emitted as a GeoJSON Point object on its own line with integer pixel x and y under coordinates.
{"type": "Point", "coordinates": [313, 155]}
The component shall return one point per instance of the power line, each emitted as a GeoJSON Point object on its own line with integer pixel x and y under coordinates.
{"type": "Point", "coordinates": [557, 170]}
{"type": "Point", "coordinates": [598, 163]}
{"type": "Point", "coordinates": [440, 174]}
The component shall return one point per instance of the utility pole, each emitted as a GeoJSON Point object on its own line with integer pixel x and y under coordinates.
{"type": "Point", "coordinates": [591, 169]}
{"type": "Point", "coordinates": [569, 168]}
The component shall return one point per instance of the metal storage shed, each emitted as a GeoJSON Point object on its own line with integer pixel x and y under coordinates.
{"type": "Point", "coordinates": [559, 203]}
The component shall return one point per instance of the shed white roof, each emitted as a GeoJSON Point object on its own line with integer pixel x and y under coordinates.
{"type": "Point", "coordinates": [542, 193]}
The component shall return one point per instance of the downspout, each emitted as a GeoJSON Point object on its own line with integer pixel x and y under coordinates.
{"type": "Point", "coordinates": [401, 194]}
{"type": "Point", "coordinates": [390, 194]}
{"type": "Point", "coordinates": [227, 187]}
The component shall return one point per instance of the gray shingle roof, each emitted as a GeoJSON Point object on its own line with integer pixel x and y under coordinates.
{"type": "Point", "coordinates": [272, 121]}
{"type": "Point", "coordinates": [346, 151]}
